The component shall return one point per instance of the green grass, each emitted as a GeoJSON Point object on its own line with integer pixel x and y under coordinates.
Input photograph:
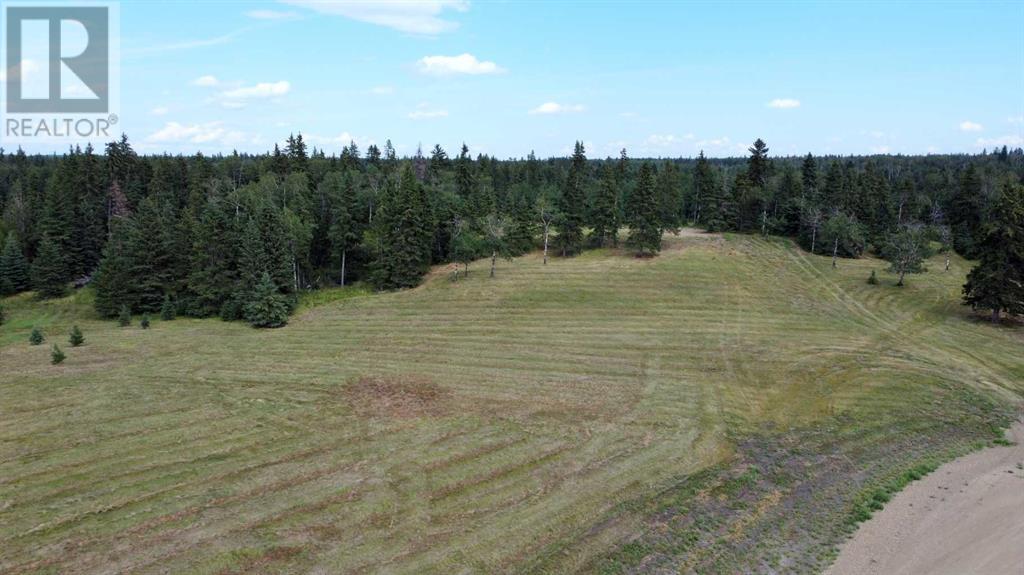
{"type": "Point", "coordinates": [538, 421]}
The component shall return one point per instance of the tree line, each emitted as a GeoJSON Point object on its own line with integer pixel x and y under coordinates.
{"type": "Point", "coordinates": [240, 236]}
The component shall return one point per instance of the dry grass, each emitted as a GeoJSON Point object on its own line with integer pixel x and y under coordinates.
{"type": "Point", "coordinates": [467, 426]}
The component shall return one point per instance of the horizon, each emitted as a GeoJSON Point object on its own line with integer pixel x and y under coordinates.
{"type": "Point", "coordinates": [831, 79]}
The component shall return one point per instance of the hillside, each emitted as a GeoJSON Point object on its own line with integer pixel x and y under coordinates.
{"type": "Point", "coordinates": [730, 402]}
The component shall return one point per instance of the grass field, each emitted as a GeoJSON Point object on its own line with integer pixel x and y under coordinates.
{"type": "Point", "coordinates": [726, 405]}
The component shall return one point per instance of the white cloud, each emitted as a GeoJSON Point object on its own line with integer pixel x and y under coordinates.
{"type": "Point", "coordinates": [784, 103]}
{"type": "Point", "coordinates": [715, 143]}
{"type": "Point", "coordinates": [1009, 141]}
{"type": "Point", "coordinates": [1015, 119]}
{"type": "Point", "coordinates": [969, 126]}
{"type": "Point", "coordinates": [159, 111]}
{"type": "Point", "coordinates": [342, 139]}
{"type": "Point", "coordinates": [556, 108]}
{"type": "Point", "coordinates": [271, 15]}
{"type": "Point", "coordinates": [667, 140]}
{"type": "Point", "coordinates": [206, 81]}
{"type": "Point", "coordinates": [880, 149]}
{"type": "Point", "coordinates": [454, 65]}
{"type": "Point", "coordinates": [382, 90]}
{"type": "Point", "coordinates": [411, 16]}
{"type": "Point", "coordinates": [424, 112]}
{"type": "Point", "coordinates": [173, 132]}
{"type": "Point", "coordinates": [261, 90]}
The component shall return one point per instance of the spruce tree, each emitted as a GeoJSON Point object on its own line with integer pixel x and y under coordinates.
{"type": "Point", "coordinates": [76, 338]}
{"type": "Point", "coordinates": [644, 220]}
{"type": "Point", "coordinates": [3, 316]}
{"type": "Point", "coordinates": [167, 309]}
{"type": "Point", "coordinates": [809, 179]}
{"type": "Point", "coordinates": [114, 283]}
{"type": "Point", "coordinates": [124, 319]}
{"type": "Point", "coordinates": [144, 324]}
{"type": "Point", "coordinates": [966, 214]}
{"type": "Point", "coordinates": [14, 270]}
{"type": "Point", "coordinates": [266, 306]}
{"type": "Point", "coordinates": [406, 234]}
{"type": "Point", "coordinates": [56, 355]}
{"type": "Point", "coordinates": [36, 337]}
{"type": "Point", "coordinates": [997, 282]}
{"type": "Point", "coordinates": [49, 273]}
{"type": "Point", "coordinates": [669, 194]}
{"type": "Point", "coordinates": [604, 212]}
{"type": "Point", "coordinates": [573, 204]}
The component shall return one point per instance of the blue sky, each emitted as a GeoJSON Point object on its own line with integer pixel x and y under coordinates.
{"type": "Point", "coordinates": [659, 78]}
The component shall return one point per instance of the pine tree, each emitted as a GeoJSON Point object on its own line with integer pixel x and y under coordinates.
{"type": "Point", "coordinates": [167, 309]}
{"type": "Point", "coordinates": [758, 166]}
{"type": "Point", "coordinates": [644, 221]}
{"type": "Point", "coordinates": [604, 211]}
{"type": "Point", "coordinates": [144, 324]}
{"type": "Point", "coordinates": [966, 214]}
{"type": "Point", "coordinates": [406, 234]}
{"type": "Point", "coordinates": [3, 316]}
{"type": "Point", "coordinates": [997, 282]}
{"type": "Point", "coordinates": [573, 204]}
{"type": "Point", "coordinates": [716, 209]}
{"type": "Point", "coordinates": [342, 233]}
{"type": "Point", "coordinates": [266, 306]}
{"type": "Point", "coordinates": [49, 274]}
{"type": "Point", "coordinates": [114, 282]}
{"type": "Point", "coordinates": [75, 338]}
{"type": "Point", "coordinates": [36, 337]}
{"type": "Point", "coordinates": [213, 269]}
{"type": "Point", "coordinates": [124, 319]}
{"type": "Point", "coordinates": [56, 355]}
{"type": "Point", "coordinates": [14, 270]}
{"type": "Point", "coordinates": [809, 178]}
{"type": "Point", "coordinates": [669, 193]}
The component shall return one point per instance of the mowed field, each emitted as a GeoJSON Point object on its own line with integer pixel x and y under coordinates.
{"type": "Point", "coordinates": [557, 418]}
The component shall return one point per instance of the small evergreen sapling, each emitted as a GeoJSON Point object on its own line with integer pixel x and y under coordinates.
{"type": "Point", "coordinates": [125, 319]}
{"type": "Point", "coordinates": [266, 306]}
{"type": "Point", "coordinates": [56, 355]}
{"type": "Point", "coordinates": [76, 338]}
{"type": "Point", "coordinates": [873, 280]}
{"type": "Point", "coordinates": [36, 337]}
{"type": "Point", "coordinates": [167, 311]}
{"type": "Point", "coordinates": [144, 324]}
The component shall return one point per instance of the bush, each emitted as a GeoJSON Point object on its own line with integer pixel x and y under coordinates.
{"type": "Point", "coordinates": [36, 337]}
{"type": "Point", "coordinates": [167, 310]}
{"type": "Point", "coordinates": [76, 338]}
{"type": "Point", "coordinates": [873, 280]}
{"type": "Point", "coordinates": [2, 317]}
{"type": "Point", "coordinates": [266, 307]}
{"type": "Point", "coordinates": [125, 318]}
{"type": "Point", "coordinates": [231, 310]}
{"type": "Point", "coordinates": [145, 322]}
{"type": "Point", "coordinates": [56, 355]}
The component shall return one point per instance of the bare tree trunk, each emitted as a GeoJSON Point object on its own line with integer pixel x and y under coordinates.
{"type": "Point", "coordinates": [343, 252]}
{"type": "Point", "coordinates": [545, 244]}
{"type": "Point", "coordinates": [494, 260]}
{"type": "Point", "coordinates": [295, 274]}
{"type": "Point", "coordinates": [466, 274]}
{"type": "Point", "coordinates": [814, 238]}
{"type": "Point", "coordinates": [902, 273]}
{"type": "Point", "coordinates": [835, 251]}
{"type": "Point", "coordinates": [764, 223]}
{"type": "Point", "coordinates": [947, 261]}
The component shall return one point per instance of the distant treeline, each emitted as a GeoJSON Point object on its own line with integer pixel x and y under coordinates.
{"type": "Point", "coordinates": [233, 235]}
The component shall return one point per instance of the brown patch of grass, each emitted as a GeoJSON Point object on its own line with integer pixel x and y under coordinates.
{"type": "Point", "coordinates": [398, 397]}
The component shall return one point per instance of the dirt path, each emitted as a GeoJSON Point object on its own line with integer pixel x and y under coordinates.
{"type": "Point", "coordinates": [966, 517]}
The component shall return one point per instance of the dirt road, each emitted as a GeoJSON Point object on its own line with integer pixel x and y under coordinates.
{"type": "Point", "coordinates": [967, 517]}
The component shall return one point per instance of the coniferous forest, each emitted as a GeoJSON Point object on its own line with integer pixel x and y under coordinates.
{"type": "Point", "coordinates": [239, 236]}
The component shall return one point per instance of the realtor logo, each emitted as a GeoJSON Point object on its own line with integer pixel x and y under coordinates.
{"type": "Point", "coordinates": [61, 71]}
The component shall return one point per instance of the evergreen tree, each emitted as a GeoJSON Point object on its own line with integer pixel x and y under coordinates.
{"type": "Point", "coordinates": [114, 282]}
{"type": "Point", "coordinates": [213, 271]}
{"type": "Point", "coordinates": [167, 309]}
{"type": "Point", "coordinates": [14, 270]}
{"type": "Point", "coordinates": [758, 166]}
{"type": "Point", "coordinates": [266, 306]}
{"type": "Point", "coordinates": [75, 338]}
{"type": "Point", "coordinates": [604, 211]}
{"type": "Point", "coordinates": [3, 316]}
{"type": "Point", "coordinates": [809, 178]}
{"type": "Point", "coordinates": [124, 319]}
{"type": "Point", "coordinates": [716, 209]}
{"type": "Point", "coordinates": [644, 219]}
{"type": "Point", "coordinates": [405, 234]}
{"type": "Point", "coordinates": [56, 355]}
{"type": "Point", "coordinates": [966, 213]}
{"type": "Point", "coordinates": [36, 337]}
{"type": "Point", "coordinates": [144, 324]}
{"type": "Point", "coordinates": [997, 282]}
{"type": "Point", "coordinates": [49, 274]}
{"type": "Point", "coordinates": [669, 194]}
{"type": "Point", "coordinates": [573, 204]}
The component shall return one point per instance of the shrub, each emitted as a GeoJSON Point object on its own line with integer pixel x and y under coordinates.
{"type": "Point", "coordinates": [125, 318]}
{"type": "Point", "coordinates": [2, 314]}
{"type": "Point", "coordinates": [56, 355]}
{"type": "Point", "coordinates": [36, 336]}
{"type": "Point", "coordinates": [167, 310]}
{"type": "Point", "coordinates": [145, 322]}
{"type": "Point", "coordinates": [76, 338]}
{"type": "Point", "coordinates": [873, 280]}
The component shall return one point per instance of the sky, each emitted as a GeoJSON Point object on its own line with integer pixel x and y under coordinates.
{"type": "Point", "coordinates": [661, 79]}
